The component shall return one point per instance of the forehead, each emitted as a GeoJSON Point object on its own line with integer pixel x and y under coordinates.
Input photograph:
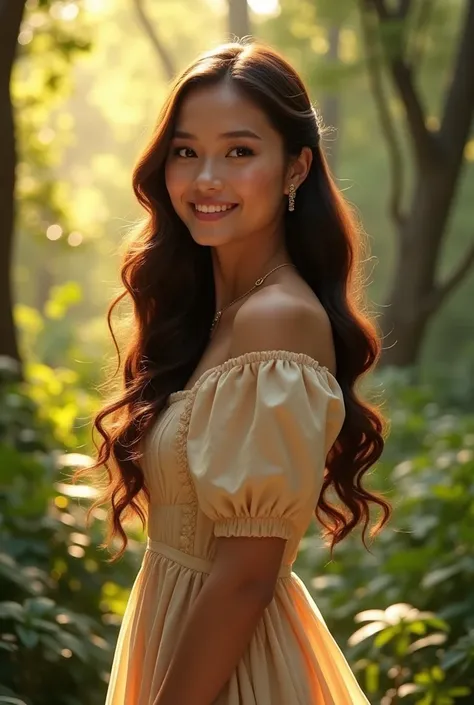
{"type": "Point", "coordinates": [221, 108]}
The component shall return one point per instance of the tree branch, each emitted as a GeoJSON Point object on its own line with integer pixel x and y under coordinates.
{"type": "Point", "coordinates": [459, 105]}
{"type": "Point", "coordinates": [397, 13]}
{"type": "Point", "coordinates": [386, 120]}
{"type": "Point", "coordinates": [401, 12]}
{"type": "Point", "coordinates": [418, 42]}
{"type": "Point", "coordinates": [402, 74]}
{"type": "Point", "coordinates": [162, 53]}
{"type": "Point", "coordinates": [443, 289]}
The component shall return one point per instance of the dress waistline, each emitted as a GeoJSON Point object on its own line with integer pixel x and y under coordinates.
{"type": "Point", "coordinates": [194, 562]}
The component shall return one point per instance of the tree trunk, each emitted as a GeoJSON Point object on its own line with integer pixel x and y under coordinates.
{"type": "Point", "coordinates": [330, 103]}
{"type": "Point", "coordinates": [417, 292]}
{"type": "Point", "coordinates": [239, 20]}
{"type": "Point", "coordinates": [11, 14]}
{"type": "Point", "coordinates": [414, 292]}
{"type": "Point", "coordinates": [163, 55]}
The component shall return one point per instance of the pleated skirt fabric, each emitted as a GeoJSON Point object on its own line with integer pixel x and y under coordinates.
{"type": "Point", "coordinates": [292, 659]}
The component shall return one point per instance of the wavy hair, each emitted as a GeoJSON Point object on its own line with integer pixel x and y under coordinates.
{"type": "Point", "coordinates": [170, 330]}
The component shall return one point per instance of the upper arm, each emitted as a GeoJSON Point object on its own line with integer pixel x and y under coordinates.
{"type": "Point", "coordinates": [276, 323]}
{"type": "Point", "coordinates": [281, 322]}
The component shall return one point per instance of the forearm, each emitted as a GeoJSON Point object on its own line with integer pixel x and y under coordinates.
{"type": "Point", "coordinates": [215, 635]}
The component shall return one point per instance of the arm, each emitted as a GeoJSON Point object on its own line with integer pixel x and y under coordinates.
{"type": "Point", "coordinates": [232, 601]}
{"type": "Point", "coordinates": [222, 620]}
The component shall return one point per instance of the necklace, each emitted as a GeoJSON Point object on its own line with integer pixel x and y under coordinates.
{"type": "Point", "coordinates": [259, 282]}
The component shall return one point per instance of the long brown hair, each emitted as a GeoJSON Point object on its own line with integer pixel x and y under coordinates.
{"type": "Point", "coordinates": [170, 330]}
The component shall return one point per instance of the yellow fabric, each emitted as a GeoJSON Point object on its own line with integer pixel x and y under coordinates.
{"type": "Point", "coordinates": [240, 454]}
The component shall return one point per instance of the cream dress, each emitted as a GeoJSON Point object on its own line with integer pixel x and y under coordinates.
{"type": "Point", "coordinates": [242, 453]}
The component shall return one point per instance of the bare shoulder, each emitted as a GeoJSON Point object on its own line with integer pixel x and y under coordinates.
{"type": "Point", "coordinates": [276, 318]}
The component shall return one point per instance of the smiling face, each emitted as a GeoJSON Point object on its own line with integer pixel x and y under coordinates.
{"type": "Point", "coordinates": [226, 168]}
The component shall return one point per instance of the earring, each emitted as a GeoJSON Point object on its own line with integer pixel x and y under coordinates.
{"type": "Point", "coordinates": [291, 198]}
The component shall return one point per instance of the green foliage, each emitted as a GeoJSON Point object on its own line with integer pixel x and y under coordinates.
{"type": "Point", "coordinates": [60, 601]}
{"type": "Point", "coordinates": [60, 393]}
{"type": "Point", "coordinates": [53, 36]}
{"type": "Point", "coordinates": [302, 32]}
{"type": "Point", "coordinates": [49, 43]}
{"type": "Point", "coordinates": [418, 644]}
{"type": "Point", "coordinates": [77, 147]}
{"type": "Point", "coordinates": [410, 597]}
{"type": "Point", "coordinates": [51, 335]}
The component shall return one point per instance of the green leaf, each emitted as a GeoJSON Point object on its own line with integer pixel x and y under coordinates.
{"type": "Point", "coordinates": [12, 610]}
{"type": "Point", "coordinates": [7, 646]}
{"type": "Point", "coordinates": [365, 632]}
{"type": "Point", "coordinates": [372, 677]}
{"type": "Point", "coordinates": [39, 606]}
{"type": "Point", "coordinates": [437, 674]}
{"type": "Point", "coordinates": [52, 644]}
{"type": "Point", "coordinates": [459, 691]}
{"type": "Point", "coordinates": [45, 626]}
{"type": "Point", "coordinates": [27, 637]}
{"type": "Point", "coordinates": [385, 637]}
{"type": "Point", "coordinates": [74, 644]}
{"type": "Point", "coordinates": [441, 574]}
{"type": "Point", "coordinates": [417, 627]}
{"type": "Point", "coordinates": [452, 658]}
{"type": "Point", "coordinates": [437, 623]}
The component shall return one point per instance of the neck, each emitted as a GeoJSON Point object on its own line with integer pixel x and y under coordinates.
{"type": "Point", "coordinates": [233, 276]}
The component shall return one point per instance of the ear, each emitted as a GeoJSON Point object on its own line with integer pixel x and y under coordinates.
{"type": "Point", "coordinates": [298, 169]}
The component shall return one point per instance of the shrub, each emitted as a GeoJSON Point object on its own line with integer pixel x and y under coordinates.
{"type": "Point", "coordinates": [60, 601]}
{"type": "Point", "coordinates": [417, 646]}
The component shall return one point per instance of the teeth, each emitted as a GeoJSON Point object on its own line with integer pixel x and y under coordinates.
{"type": "Point", "coordinates": [212, 209]}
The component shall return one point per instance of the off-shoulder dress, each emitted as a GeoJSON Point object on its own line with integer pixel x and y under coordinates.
{"type": "Point", "coordinates": [242, 453]}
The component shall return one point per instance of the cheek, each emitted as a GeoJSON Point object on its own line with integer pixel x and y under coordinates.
{"type": "Point", "coordinates": [174, 182]}
{"type": "Point", "coordinates": [262, 178]}
{"type": "Point", "coordinates": [262, 190]}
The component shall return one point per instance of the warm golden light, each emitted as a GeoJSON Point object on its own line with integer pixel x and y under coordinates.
{"type": "Point", "coordinates": [264, 7]}
{"type": "Point", "coordinates": [54, 232]}
{"type": "Point", "coordinates": [75, 239]}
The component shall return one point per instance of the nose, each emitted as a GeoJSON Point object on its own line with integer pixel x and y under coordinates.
{"type": "Point", "coordinates": [207, 178]}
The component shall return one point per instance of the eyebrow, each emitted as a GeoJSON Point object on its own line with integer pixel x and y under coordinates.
{"type": "Point", "coordinates": [225, 135]}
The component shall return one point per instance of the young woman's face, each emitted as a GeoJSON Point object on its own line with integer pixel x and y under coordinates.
{"type": "Point", "coordinates": [225, 172]}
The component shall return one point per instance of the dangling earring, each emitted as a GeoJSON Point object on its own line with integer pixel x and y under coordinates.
{"type": "Point", "coordinates": [291, 198]}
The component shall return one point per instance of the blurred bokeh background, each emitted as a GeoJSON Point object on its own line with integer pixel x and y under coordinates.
{"type": "Point", "coordinates": [81, 84]}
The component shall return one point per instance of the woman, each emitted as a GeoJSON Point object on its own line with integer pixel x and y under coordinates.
{"type": "Point", "coordinates": [238, 411]}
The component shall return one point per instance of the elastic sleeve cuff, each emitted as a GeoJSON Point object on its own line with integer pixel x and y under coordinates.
{"type": "Point", "coordinates": [253, 526]}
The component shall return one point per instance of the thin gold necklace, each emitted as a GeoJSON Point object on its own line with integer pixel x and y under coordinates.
{"type": "Point", "coordinates": [258, 283]}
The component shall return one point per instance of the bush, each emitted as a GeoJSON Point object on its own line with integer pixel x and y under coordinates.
{"type": "Point", "coordinates": [61, 602]}
{"type": "Point", "coordinates": [417, 646]}
{"type": "Point", "coordinates": [404, 613]}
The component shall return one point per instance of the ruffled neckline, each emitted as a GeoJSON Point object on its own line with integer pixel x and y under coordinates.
{"type": "Point", "coordinates": [247, 358]}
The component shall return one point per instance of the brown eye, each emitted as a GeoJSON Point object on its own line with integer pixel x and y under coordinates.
{"type": "Point", "coordinates": [183, 152]}
{"type": "Point", "coordinates": [242, 151]}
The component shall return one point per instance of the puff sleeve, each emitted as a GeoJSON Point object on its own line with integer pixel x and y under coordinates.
{"type": "Point", "coordinates": [259, 432]}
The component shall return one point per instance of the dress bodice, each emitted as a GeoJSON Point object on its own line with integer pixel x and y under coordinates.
{"type": "Point", "coordinates": [242, 453]}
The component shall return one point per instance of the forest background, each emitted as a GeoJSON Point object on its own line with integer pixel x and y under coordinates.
{"type": "Point", "coordinates": [81, 84]}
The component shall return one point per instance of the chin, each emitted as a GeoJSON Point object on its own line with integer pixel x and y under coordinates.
{"type": "Point", "coordinates": [211, 239]}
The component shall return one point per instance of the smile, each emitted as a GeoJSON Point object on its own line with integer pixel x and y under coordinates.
{"type": "Point", "coordinates": [216, 208]}
{"type": "Point", "coordinates": [212, 212]}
